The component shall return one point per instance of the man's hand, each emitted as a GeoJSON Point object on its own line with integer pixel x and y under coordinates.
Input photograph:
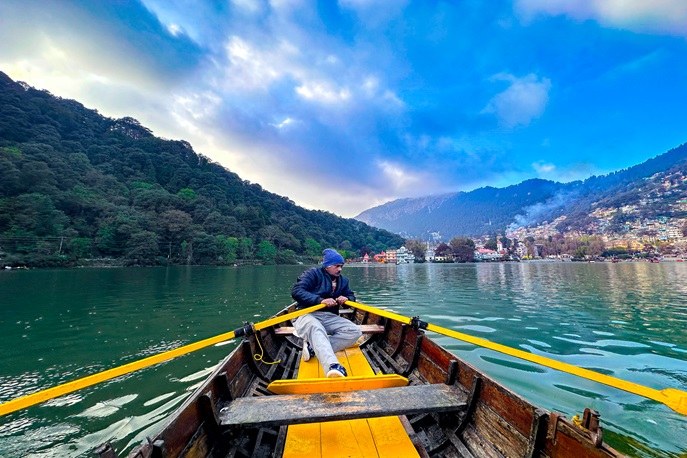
{"type": "Point", "coordinates": [330, 302]}
{"type": "Point", "coordinates": [341, 300]}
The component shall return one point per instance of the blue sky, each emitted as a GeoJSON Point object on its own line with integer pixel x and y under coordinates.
{"type": "Point", "coordinates": [343, 106]}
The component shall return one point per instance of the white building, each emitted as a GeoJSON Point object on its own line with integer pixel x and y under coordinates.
{"type": "Point", "coordinates": [429, 253]}
{"type": "Point", "coordinates": [403, 256]}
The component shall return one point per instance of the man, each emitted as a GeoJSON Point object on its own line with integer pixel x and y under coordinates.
{"type": "Point", "coordinates": [324, 332]}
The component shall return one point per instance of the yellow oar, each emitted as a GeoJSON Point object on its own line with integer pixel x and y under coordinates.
{"type": "Point", "coordinates": [673, 398]}
{"type": "Point", "coordinates": [69, 387]}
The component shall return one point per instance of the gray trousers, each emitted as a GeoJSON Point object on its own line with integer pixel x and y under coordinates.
{"type": "Point", "coordinates": [327, 334]}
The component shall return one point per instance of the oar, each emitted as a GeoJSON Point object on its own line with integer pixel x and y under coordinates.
{"type": "Point", "coordinates": [69, 387]}
{"type": "Point", "coordinates": [673, 398]}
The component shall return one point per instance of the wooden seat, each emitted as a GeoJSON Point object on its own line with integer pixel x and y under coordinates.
{"type": "Point", "coordinates": [364, 328]}
{"type": "Point", "coordinates": [296, 409]}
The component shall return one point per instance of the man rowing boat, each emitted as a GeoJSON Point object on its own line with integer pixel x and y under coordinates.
{"type": "Point", "coordinates": [325, 332]}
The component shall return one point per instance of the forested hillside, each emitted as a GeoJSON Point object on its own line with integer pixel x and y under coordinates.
{"type": "Point", "coordinates": [76, 186]}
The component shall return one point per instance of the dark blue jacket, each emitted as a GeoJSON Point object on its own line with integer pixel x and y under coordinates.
{"type": "Point", "coordinates": [314, 285]}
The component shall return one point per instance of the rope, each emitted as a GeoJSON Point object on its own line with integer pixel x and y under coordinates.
{"type": "Point", "coordinates": [258, 357]}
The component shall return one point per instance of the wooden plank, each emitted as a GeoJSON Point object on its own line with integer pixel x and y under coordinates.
{"type": "Point", "coordinates": [359, 366]}
{"type": "Point", "coordinates": [364, 328]}
{"type": "Point", "coordinates": [331, 385]}
{"type": "Point", "coordinates": [303, 440]}
{"type": "Point", "coordinates": [348, 438]}
{"type": "Point", "coordinates": [390, 437]}
{"type": "Point", "coordinates": [333, 438]}
{"type": "Point", "coordinates": [322, 407]}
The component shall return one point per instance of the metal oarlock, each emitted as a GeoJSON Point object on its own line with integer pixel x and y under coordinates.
{"type": "Point", "coordinates": [246, 330]}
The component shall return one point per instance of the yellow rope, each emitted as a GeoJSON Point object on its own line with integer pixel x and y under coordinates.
{"type": "Point", "coordinates": [258, 357]}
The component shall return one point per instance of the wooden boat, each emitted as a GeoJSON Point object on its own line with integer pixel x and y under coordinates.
{"type": "Point", "coordinates": [405, 396]}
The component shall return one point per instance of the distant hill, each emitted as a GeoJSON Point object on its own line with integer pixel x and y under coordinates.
{"type": "Point", "coordinates": [75, 185]}
{"type": "Point", "coordinates": [533, 202]}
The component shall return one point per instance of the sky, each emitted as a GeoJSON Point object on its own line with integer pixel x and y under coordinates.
{"type": "Point", "coordinates": [343, 106]}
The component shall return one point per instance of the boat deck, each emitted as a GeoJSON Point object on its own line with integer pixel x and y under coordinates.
{"type": "Point", "coordinates": [369, 437]}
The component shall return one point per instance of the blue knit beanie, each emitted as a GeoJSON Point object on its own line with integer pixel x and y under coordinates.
{"type": "Point", "coordinates": [331, 257]}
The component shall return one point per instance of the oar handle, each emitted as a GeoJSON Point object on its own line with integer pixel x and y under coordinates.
{"type": "Point", "coordinates": [673, 398]}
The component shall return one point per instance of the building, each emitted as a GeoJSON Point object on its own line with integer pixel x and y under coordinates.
{"type": "Point", "coordinates": [429, 253]}
{"type": "Point", "coordinates": [404, 256]}
{"type": "Point", "coordinates": [380, 257]}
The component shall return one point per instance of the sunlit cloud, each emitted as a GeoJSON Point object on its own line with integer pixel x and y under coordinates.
{"type": "Point", "coordinates": [323, 92]}
{"type": "Point", "coordinates": [659, 16]}
{"type": "Point", "coordinates": [524, 100]}
{"type": "Point", "coordinates": [174, 29]}
{"type": "Point", "coordinates": [397, 176]}
{"type": "Point", "coordinates": [543, 168]}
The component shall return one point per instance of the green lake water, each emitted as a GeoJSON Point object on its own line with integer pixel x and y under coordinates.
{"type": "Point", "coordinates": [627, 320]}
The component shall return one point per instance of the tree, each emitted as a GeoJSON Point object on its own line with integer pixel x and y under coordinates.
{"type": "Point", "coordinates": [417, 248]}
{"type": "Point", "coordinates": [463, 249]}
{"type": "Point", "coordinates": [142, 248]}
{"type": "Point", "coordinates": [80, 247]}
{"type": "Point", "coordinates": [245, 248]}
{"type": "Point", "coordinates": [312, 247]}
{"type": "Point", "coordinates": [442, 249]}
{"type": "Point", "coordinates": [176, 227]}
{"type": "Point", "coordinates": [266, 252]}
{"type": "Point", "coordinates": [205, 249]}
{"type": "Point", "coordinates": [286, 257]}
{"type": "Point", "coordinates": [227, 249]}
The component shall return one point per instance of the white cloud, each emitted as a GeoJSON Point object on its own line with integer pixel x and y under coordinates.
{"type": "Point", "coordinates": [249, 67]}
{"type": "Point", "coordinates": [543, 168]}
{"type": "Point", "coordinates": [323, 92]}
{"type": "Point", "coordinates": [397, 177]}
{"type": "Point", "coordinates": [657, 16]}
{"type": "Point", "coordinates": [248, 6]}
{"type": "Point", "coordinates": [524, 100]}
{"type": "Point", "coordinates": [174, 29]}
{"type": "Point", "coordinates": [285, 123]}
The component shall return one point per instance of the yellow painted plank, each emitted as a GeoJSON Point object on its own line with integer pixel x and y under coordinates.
{"type": "Point", "coordinates": [365, 438]}
{"type": "Point", "coordinates": [303, 440]}
{"type": "Point", "coordinates": [347, 438]}
{"type": "Point", "coordinates": [310, 369]}
{"type": "Point", "coordinates": [391, 438]}
{"type": "Point", "coordinates": [332, 385]}
{"type": "Point", "coordinates": [357, 362]}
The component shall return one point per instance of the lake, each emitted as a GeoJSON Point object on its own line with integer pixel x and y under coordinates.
{"type": "Point", "coordinates": [627, 320]}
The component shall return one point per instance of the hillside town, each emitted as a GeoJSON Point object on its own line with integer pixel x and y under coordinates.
{"type": "Point", "coordinates": [653, 239]}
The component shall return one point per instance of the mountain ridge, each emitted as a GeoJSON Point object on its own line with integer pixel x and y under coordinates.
{"type": "Point", "coordinates": [489, 210]}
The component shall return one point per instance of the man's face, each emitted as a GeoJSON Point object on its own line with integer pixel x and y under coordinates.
{"type": "Point", "coordinates": [334, 270]}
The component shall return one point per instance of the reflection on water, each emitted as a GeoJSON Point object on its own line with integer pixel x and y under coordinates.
{"type": "Point", "coordinates": [626, 320]}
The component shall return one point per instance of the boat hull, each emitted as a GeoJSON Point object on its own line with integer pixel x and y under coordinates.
{"type": "Point", "coordinates": [494, 422]}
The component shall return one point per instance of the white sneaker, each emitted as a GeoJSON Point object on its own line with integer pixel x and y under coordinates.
{"type": "Point", "coordinates": [308, 352]}
{"type": "Point", "coordinates": [336, 371]}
